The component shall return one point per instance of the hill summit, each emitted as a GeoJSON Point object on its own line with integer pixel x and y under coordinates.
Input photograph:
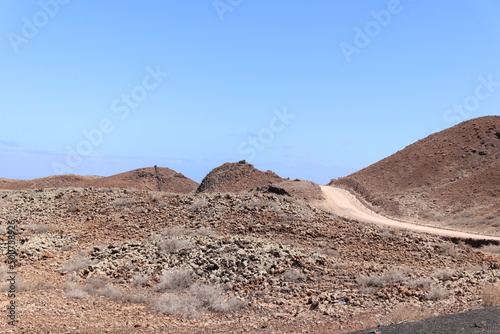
{"type": "Point", "coordinates": [451, 177]}
{"type": "Point", "coordinates": [236, 177]}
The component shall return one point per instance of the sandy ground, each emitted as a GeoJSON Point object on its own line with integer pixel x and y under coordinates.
{"type": "Point", "coordinates": [344, 204]}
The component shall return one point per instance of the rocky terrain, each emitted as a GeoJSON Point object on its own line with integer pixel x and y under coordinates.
{"type": "Point", "coordinates": [236, 177]}
{"type": "Point", "coordinates": [160, 178]}
{"type": "Point", "coordinates": [450, 178]}
{"type": "Point", "coordinates": [110, 260]}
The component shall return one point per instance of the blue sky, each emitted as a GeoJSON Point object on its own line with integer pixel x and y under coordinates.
{"type": "Point", "coordinates": [309, 89]}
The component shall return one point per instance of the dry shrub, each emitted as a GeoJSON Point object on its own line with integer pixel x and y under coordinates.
{"type": "Point", "coordinates": [200, 298]}
{"type": "Point", "coordinates": [74, 290]}
{"type": "Point", "coordinates": [172, 246]}
{"type": "Point", "coordinates": [173, 304]}
{"type": "Point", "coordinates": [448, 248]}
{"type": "Point", "coordinates": [119, 202]}
{"type": "Point", "coordinates": [491, 249]}
{"type": "Point", "coordinates": [423, 283]}
{"type": "Point", "coordinates": [404, 313]}
{"type": "Point", "coordinates": [491, 295]}
{"type": "Point", "coordinates": [199, 205]}
{"type": "Point", "coordinates": [391, 276]}
{"type": "Point", "coordinates": [437, 293]}
{"type": "Point", "coordinates": [213, 298]}
{"type": "Point", "coordinates": [179, 279]}
{"type": "Point", "coordinates": [293, 275]}
{"type": "Point", "coordinates": [79, 262]}
{"type": "Point", "coordinates": [36, 228]}
{"type": "Point", "coordinates": [175, 231]}
{"type": "Point", "coordinates": [139, 279]}
{"type": "Point", "coordinates": [444, 274]}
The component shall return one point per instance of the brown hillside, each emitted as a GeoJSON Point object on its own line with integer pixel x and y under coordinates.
{"type": "Point", "coordinates": [144, 179]}
{"type": "Point", "coordinates": [451, 177]}
{"type": "Point", "coordinates": [236, 177]}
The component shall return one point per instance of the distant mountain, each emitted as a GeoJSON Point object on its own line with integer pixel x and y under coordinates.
{"type": "Point", "coordinates": [452, 176]}
{"type": "Point", "coordinates": [236, 177]}
{"type": "Point", "coordinates": [144, 179]}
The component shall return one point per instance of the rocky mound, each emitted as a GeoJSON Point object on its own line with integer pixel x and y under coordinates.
{"type": "Point", "coordinates": [236, 177]}
{"type": "Point", "coordinates": [450, 176]}
{"type": "Point", "coordinates": [151, 178]}
{"type": "Point", "coordinates": [161, 179]}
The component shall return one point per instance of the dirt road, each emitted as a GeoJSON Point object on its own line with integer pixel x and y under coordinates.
{"type": "Point", "coordinates": [344, 204]}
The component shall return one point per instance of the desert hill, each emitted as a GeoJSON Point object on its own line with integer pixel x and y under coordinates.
{"type": "Point", "coordinates": [143, 178]}
{"type": "Point", "coordinates": [451, 177]}
{"type": "Point", "coordinates": [236, 177]}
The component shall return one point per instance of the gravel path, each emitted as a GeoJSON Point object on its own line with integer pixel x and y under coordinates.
{"type": "Point", "coordinates": [342, 203]}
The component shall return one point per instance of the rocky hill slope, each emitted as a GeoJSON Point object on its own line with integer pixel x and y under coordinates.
{"type": "Point", "coordinates": [163, 179]}
{"type": "Point", "coordinates": [451, 177]}
{"type": "Point", "coordinates": [236, 177]}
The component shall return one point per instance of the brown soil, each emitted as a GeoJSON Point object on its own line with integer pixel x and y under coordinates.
{"type": "Point", "coordinates": [143, 178]}
{"type": "Point", "coordinates": [236, 177]}
{"type": "Point", "coordinates": [450, 178]}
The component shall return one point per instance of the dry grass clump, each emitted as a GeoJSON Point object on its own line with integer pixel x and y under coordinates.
{"type": "Point", "coordinates": [444, 274]}
{"type": "Point", "coordinates": [172, 245]}
{"type": "Point", "coordinates": [405, 313]}
{"type": "Point", "coordinates": [491, 249]}
{"type": "Point", "coordinates": [391, 276]}
{"type": "Point", "coordinates": [78, 263]}
{"type": "Point", "coordinates": [422, 283]}
{"type": "Point", "coordinates": [387, 233]}
{"type": "Point", "coordinates": [448, 248]}
{"type": "Point", "coordinates": [491, 295]}
{"type": "Point", "coordinates": [437, 293]}
{"type": "Point", "coordinates": [36, 228]}
{"type": "Point", "coordinates": [199, 204]}
{"type": "Point", "coordinates": [200, 298]}
{"type": "Point", "coordinates": [178, 279]}
{"type": "Point", "coordinates": [98, 287]}
{"type": "Point", "coordinates": [293, 275]}
{"type": "Point", "coordinates": [120, 202]}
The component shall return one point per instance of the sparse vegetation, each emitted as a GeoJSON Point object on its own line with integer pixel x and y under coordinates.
{"type": "Point", "coordinates": [422, 283]}
{"type": "Point", "coordinates": [36, 228]}
{"type": "Point", "coordinates": [391, 276]}
{"type": "Point", "coordinates": [491, 295]}
{"type": "Point", "coordinates": [78, 263]}
{"type": "Point", "coordinates": [200, 298]}
{"type": "Point", "coordinates": [404, 313]}
{"type": "Point", "coordinates": [198, 205]}
{"type": "Point", "coordinates": [293, 275]}
{"type": "Point", "coordinates": [437, 293]}
{"type": "Point", "coordinates": [121, 202]}
{"type": "Point", "coordinates": [444, 274]}
{"type": "Point", "coordinates": [448, 248]}
{"type": "Point", "coordinates": [491, 249]}
{"type": "Point", "coordinates": [178, 279]}
{"type": "Point", "coordinates": [173, 245]}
